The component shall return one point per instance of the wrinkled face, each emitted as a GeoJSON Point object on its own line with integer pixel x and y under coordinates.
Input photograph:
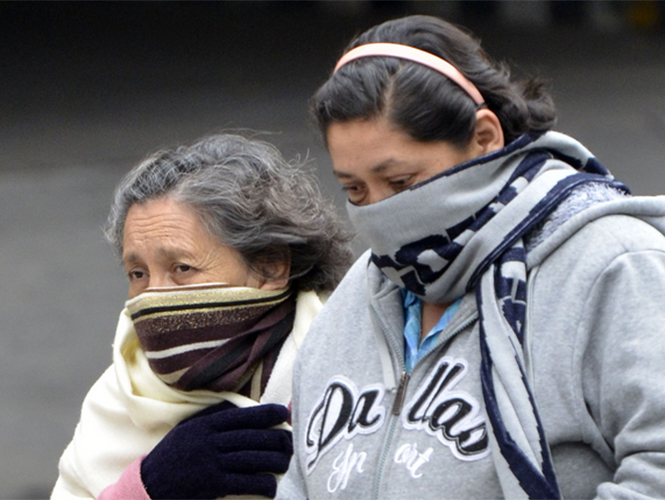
{"type": "Point", "coordinates": [166, 245]}
{"type": "Point", "coordinates": [373, 160]}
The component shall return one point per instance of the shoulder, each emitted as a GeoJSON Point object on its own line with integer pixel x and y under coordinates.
{"type": "Point", "coordinates": [359, 268]}
{"type": "Point", "coordinates": [79, 469]}
{"type": "Point", "coordinates": [623, 233]}
{"type": "Point", "coordinates": [348, 304]}
{"type": "Point", "coordinates": [599, 230]}
{"type": "Point", "coordinates": [611, 272]}
{"type": "Point", "coordinates": [105, 395]}
{"type": "Point", "coordinates": [354, 284]}
{"type": "Point", "coordinates": [598, 243]}
{"type": "Point", "coordinates": [613, 263]}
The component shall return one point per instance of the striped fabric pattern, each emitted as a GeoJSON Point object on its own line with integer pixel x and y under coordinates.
{"type": "Point", "coordinates": [212, 336]}
{"type": "Point", "coordinates": [462, 231]}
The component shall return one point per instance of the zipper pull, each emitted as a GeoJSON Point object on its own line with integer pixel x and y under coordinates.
{"type": "Point", "coordinates": [401, 392]}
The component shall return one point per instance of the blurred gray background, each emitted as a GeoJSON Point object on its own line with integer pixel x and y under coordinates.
{"type": "Point", "coordinates": [88, 89]}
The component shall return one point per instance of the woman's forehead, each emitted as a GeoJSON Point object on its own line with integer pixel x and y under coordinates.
{"type": "Point", "coordinates": [163, 219]}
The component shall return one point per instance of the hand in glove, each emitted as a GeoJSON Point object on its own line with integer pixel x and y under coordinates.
{"type": "Point", "coordinates": [223, 450]}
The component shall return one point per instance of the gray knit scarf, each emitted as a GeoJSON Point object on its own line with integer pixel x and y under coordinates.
{"type": "Point", "coordinates": [463, 231]}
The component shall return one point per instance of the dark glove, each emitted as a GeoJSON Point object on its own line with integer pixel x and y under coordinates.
{"type": "Point", "coordinates": [223, 450]}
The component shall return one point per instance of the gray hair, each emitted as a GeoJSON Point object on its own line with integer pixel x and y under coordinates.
{"type": "Point", "coordinates": [250, 199]}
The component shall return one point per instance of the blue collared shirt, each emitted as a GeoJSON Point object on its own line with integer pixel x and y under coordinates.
{"type": "Point", "coordinates": [414, 349]}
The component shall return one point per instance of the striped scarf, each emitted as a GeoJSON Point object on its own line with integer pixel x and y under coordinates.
{"type": "Point", "coordinates": [213, 336]}
{"type": "Point", "coordinates": [462, 231]}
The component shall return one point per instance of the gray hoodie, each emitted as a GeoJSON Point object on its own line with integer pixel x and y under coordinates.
{"type": "Point", "coordinates": [596, 352]}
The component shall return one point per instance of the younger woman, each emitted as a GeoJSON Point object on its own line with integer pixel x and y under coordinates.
{"type": "Point", "coordinates": [503, 338]}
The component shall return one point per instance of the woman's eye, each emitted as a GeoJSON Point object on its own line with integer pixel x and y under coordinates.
{"type": "Point", "coordinates": [183, 268]}
{"type": "Point", "coordinates": [353, 191]}
{"type": "Point", "coordinates": [135, 275]}
{"type": "Point", "coordinates": [400, 184]}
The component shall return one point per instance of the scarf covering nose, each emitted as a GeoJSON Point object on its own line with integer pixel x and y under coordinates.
{"type": "Point", "coordinates": [212, 336]}
{"type": "Point", "coordinates": [462, 231]}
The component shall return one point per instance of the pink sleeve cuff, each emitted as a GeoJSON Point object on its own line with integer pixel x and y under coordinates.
{"type": "Point", "coordinates": [128, 487]}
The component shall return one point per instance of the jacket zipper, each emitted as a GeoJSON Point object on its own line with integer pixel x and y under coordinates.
{"type": "Point", "coordinates": [401, 393]}
{"type": "Point", "coordinates": [383, 456]}
{"type": "Point", "coordinates": [398, 404]}
{"type": "Point", "coordinates": [400, 397]}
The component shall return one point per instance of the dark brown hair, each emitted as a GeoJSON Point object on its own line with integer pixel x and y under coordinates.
{"type": "Point", "coordinates": [422, 102]}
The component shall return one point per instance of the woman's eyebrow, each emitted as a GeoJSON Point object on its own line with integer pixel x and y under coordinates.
{"type": "Point", "coordinates": [173, 253]}
{"type": "Point", "coordinates": [376, 169]}
{"type": "Point", "coordinates": [342, 175]}
{"type": "Point", "coordinates": [164, 252]}
{"type": "Point", "coordinates": [130, 258]}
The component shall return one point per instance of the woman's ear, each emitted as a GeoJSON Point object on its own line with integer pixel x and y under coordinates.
{"type": "Point", "coordinates": [277, 276]}
{"type": "Point", "coordinates": [488, 135]}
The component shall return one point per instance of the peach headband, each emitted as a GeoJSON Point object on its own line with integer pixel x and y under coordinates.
{"type": "Point", "coordinates": [416, 55]}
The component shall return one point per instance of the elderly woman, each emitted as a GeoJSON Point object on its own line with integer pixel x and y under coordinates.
{"type": "Point", "coordinates": [228, 249]}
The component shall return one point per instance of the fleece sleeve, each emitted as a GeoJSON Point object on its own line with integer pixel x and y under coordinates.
{"type": "Point", "coordinates": [128, 487]}
{"type": "Point", "coordinates": [292, 484]}
{"type": "Point", "coordinates": [624, 371]}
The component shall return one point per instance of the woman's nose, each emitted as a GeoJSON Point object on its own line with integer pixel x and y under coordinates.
{"type": "Point", "coordinates": [160, 280]}
{"type": "Point", "coordinates": [377, 193]}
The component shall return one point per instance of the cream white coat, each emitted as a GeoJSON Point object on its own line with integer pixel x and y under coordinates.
{"type": "Point", "coordinates": [129, 409]}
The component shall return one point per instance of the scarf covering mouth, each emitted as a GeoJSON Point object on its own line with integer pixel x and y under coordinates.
{"type": "Point", "coordinates": [462, 231]}
{"type": "Point", "coordinates": [213, 336]}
